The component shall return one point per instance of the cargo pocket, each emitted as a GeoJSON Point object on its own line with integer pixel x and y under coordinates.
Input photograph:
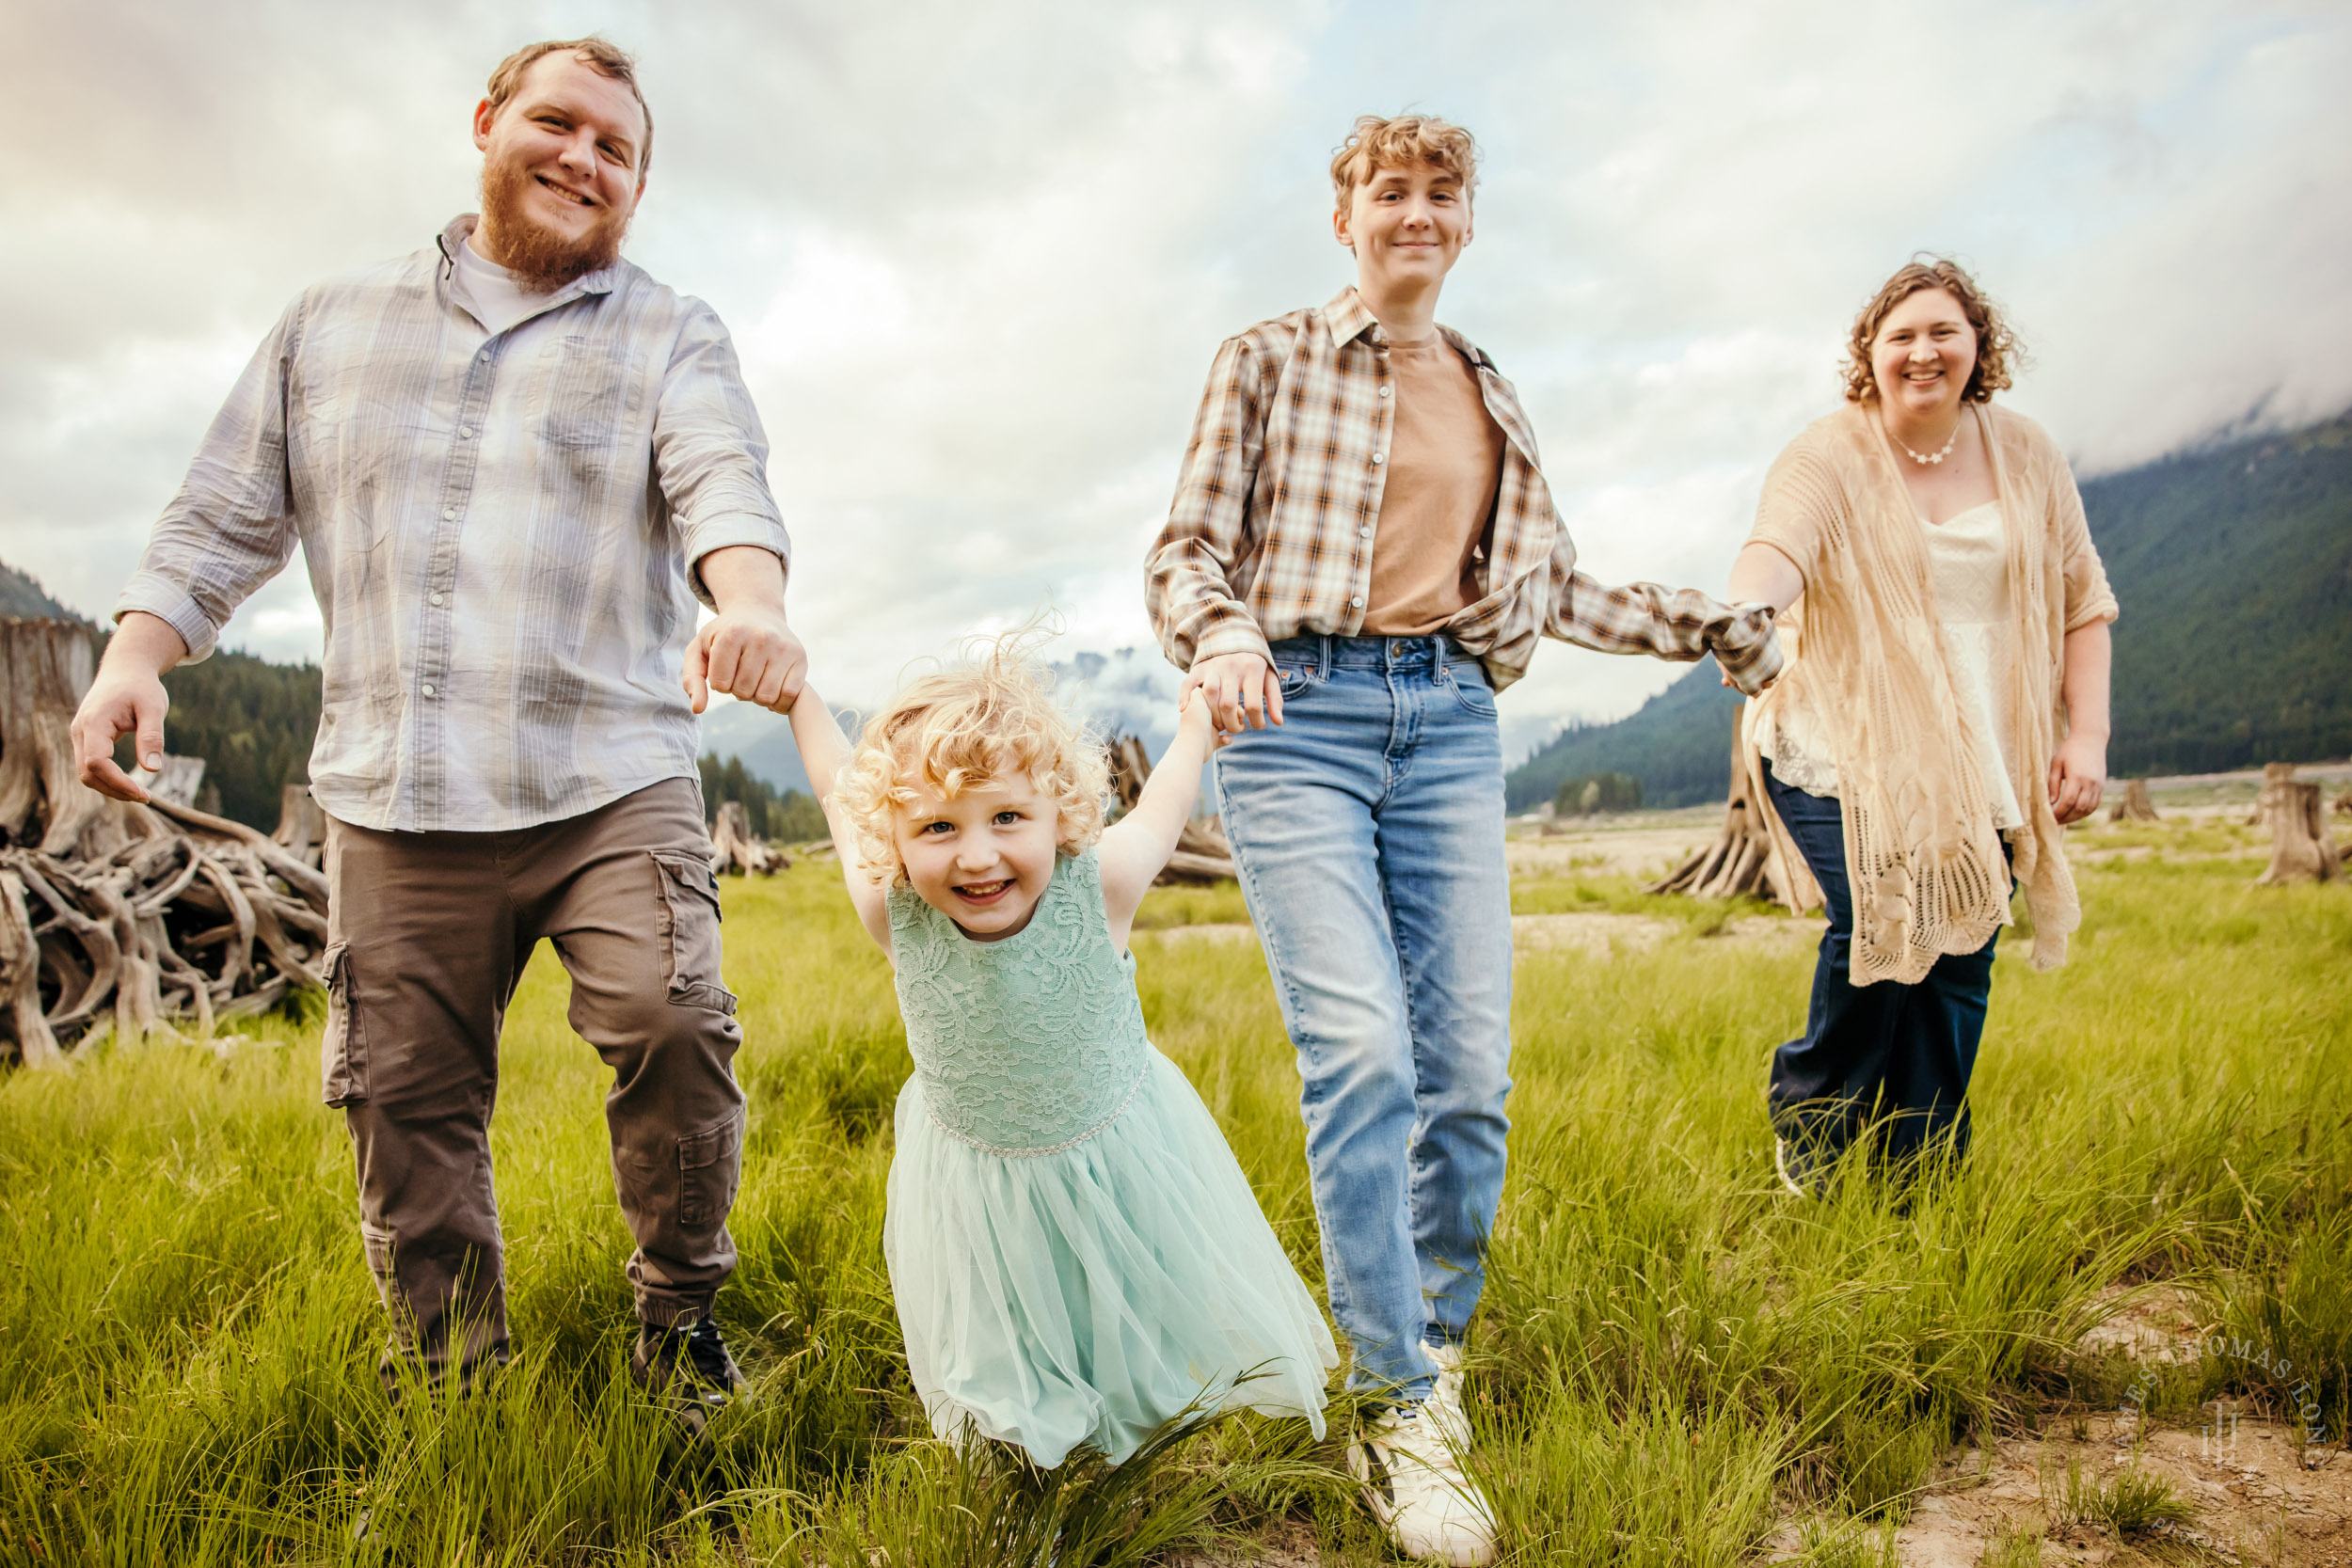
{"type": "Point", "coordinates": [687, 928]}
{"type": "Point", "coordinates": [709, 1162]}
{"type": "Point", "coordinates": [344, 1049]}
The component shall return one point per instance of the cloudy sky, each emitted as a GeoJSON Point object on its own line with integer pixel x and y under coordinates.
{"type": "Point", "coordinates": [976, 257]}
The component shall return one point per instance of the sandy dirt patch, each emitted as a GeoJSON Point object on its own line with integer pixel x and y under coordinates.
{"type": "Point", "coordinates": [1645, 851]}
{"type": "Point", "coordinates": [2251, 1498]}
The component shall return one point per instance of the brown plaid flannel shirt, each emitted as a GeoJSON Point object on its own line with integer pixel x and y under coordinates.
{"type": "Point", "coordinates": [1272, 528]}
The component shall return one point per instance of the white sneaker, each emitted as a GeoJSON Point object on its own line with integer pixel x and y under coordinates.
{"type": "Point", "coordinates": [1414, 1485]}
{"type": "Point", "coordinates": [1444, 1410]}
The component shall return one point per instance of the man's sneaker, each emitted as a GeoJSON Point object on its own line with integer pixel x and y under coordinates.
{"type": "Point", "coordinates": [687, 1369]}
{"type": "Point", "coordinates": [1413, 1482]}
{"type": "Point", "coordinates": [1444, 1409]}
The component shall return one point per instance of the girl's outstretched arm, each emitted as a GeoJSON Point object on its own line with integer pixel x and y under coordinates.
{"type": "Point", "coordinates": [1134, 847]}
{"type": "Point", "coordinates": [824, 751]}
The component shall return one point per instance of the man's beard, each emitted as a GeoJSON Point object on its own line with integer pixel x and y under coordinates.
{"type": "Point", "coordinates": [542, 260]}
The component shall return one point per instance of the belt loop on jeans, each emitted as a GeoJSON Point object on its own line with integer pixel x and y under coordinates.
{"type": "Point", "coordinates": [1323, 656]}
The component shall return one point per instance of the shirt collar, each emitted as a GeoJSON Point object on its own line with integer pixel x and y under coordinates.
{"type": "Point", "coordinates": [1347, 320]}
{"type": "Point", "coordinates": [597, 282]}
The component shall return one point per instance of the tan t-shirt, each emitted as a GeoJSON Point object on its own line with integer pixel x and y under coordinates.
{"type": "Point", "coordinates": [1445, 459]}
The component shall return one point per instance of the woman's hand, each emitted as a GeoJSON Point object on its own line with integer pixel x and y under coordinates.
{"type": "Point", "coordinates": [2079, 776]}
{"type": "Point", "coordinates": [1243, 691]}
{"type": "Point", "coordinates": [2078, 768]}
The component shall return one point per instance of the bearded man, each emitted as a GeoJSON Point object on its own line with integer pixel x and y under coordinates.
{"type": "Point", "coordinates": [513, 461]}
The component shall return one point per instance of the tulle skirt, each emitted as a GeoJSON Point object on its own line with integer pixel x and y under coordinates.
{"type": "Point", "coordinates": [1088, 1295]}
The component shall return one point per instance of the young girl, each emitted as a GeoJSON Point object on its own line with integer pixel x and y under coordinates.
{"type": "Point", "coordinates": [1075, 1255]}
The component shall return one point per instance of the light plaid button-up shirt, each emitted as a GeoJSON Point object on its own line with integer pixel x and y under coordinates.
{"type": "Point", "coordinates": [1278, 505]}
{"type": "Point", "coordinates": [500, 530]}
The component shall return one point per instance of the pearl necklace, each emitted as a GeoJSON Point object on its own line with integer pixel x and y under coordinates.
{"type": "Point", "coordinates": [1929, 459]}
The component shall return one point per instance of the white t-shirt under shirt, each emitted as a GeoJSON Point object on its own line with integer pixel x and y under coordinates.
{"type": "Point", "coordinates": [1968, 568]}
{"type": "Point", "coordinates": [490, 292]}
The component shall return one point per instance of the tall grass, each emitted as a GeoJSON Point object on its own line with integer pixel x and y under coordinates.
{"type": "Point", "coordinates": [1672, 1357]}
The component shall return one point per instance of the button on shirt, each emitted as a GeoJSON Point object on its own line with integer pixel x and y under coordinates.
{"type": "Point", "coordinates": [501, 530]}
{"type": "Point", "coordinates": [1277, 507]}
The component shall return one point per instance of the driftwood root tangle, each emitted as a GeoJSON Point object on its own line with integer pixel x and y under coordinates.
{"type": "Point", "coordinates": [2133, 805]}
{"type": "Point", "coordinates": [734, 849]}
{"type": "Point", "coordinates": [1739, 859]}
{"type": "Point", "coordinates": [1202, 854]}
{"type": "Point", "coordinates": [2301, 848]}
{"type": "Point", "coordinates": [117, 918]}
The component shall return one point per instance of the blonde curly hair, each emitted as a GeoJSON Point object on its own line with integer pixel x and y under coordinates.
{"type": "Point", "coordinates": [1405, 141]}
{"type": "Point", "coordinates": [989, 716]}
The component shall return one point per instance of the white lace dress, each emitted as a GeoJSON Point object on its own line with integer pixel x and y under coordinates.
{"type": "Point", "coordinates": [1968, 569]}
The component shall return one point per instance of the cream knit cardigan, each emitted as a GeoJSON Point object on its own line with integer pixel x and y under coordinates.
{"type": "Point", "coordinates": [1922, 857]}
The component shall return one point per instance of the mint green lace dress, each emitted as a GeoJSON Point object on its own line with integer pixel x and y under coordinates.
{"type": "Point", "coordinates": [1075, 1255]}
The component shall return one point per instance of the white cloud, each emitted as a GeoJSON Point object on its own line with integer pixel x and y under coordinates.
{"type": "Point", "coordinates": [977, 258]}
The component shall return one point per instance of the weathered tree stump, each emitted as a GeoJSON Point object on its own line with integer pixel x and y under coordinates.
{"type": "Point", "coordinates": [2301, 848]}
{"type": "Point", "coordinates": [117, 918]}
{"type": "Point", "coordinates": [2274, 774]}
{"type": "Point", "coordinates": [2343, 803]}
{"type": "Point", "coordinates": [1202, 854]}
{"type": "Point", "coordinates": [1739, 859]}
{"type": "Point", "coordinates": [2134, 806]}
{"type": "Point", "coordinates": [301, 826]}
{"type": "Point", "coordinates": [734, 850]}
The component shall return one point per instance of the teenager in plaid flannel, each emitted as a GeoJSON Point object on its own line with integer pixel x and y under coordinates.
{"type": "Point", "coordinates": [1361, 552]}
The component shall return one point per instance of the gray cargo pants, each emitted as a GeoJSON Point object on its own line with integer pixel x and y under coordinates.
{"type": "Point", "coordinates": [429, 933]}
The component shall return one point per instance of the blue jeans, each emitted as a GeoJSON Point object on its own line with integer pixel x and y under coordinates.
{"type": "Point", "coordinates": [1885, 1051]}
{"type": "Point", "coordinates": [1368, 832]}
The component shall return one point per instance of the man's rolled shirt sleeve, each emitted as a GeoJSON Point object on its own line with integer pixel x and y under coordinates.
{"type": "Point", "coordinates": [711, 454]}
{"type": "Point", "coordinates": [231, 527]}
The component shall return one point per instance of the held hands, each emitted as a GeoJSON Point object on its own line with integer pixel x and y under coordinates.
{"type": "Point", "coordinates": [2079, 776]}
{"type": "Point", "coordinates": [1194, 715]}
{"type": "Point", "coordinates": [750, 653]}
{"type": "Point", "coordinates": [1243, 691]}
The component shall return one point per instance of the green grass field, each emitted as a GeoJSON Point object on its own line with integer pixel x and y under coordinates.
{"type": "Point", "coordinates": [1672, 1364]}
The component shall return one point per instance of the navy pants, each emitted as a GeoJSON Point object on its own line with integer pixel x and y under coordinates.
{"type": "Point", "coordinates": [1888, 1056]}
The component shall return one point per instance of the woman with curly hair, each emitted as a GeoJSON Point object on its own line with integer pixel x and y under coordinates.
{"type": "Point", "coordinates": [1943, 717]}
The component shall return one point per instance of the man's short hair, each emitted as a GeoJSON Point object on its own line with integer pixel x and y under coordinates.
{"type": "Point", "coordinates": [609, 60]}
{"type": "Point", "coordinates": [1405, 141]}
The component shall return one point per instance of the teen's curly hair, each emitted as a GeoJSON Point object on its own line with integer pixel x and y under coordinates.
{"type": "Point", "coordinates": [1998, 351]}
{"type": "Point", "coordinates": [988, 716]}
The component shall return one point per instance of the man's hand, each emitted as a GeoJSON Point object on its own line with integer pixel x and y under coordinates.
{"type": "Point", "coordinates": [127, 698]}
{"type": "Point", "coordinates": [2079, 776]}
{"type": "Point", "coordinates": [748, 653]}
{"type": "Point", "coordinates": [1243, 691]}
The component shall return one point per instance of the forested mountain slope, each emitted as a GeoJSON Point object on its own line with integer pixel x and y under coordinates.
{"type": "Point", "coordinates": [2234, 566]}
